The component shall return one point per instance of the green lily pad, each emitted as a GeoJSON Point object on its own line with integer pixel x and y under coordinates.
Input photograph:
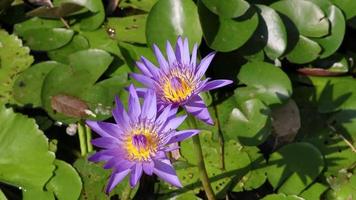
{"type": "Point", "coordinates": [307, 16]}
{"type": "Point", "coordinates": [169, 19]}
{"type": "Point", "coordinates": [66, 183]}
{"type": "Point", "coordinates": [36, 23]}
{"type": "Point", "coordinates": [227, 8]}
{"type": "Point", "coordinates": [28, 86]}
{"type": "Point", "coordinates": [281, 197]}
{"type": "Point", "coordinates": [250, 123]}
{"type": "Point", "coordinates": [76, 79]}
{"type": "Point", "coordinates": [333, 41]}
{"type": "Point", "coordinates": [128, 29]}
{"type": "Point", "coordinates": [78, 43]}
{"type": "Point", "coordinates": [93, 20]}
{"type": "Point", "coordinates": [347, 6]}
{"type": "Point", "coordinates": [144, 5]}
{"type": "Point", "coordinates": [33, 165]}
{"type": "Point", "coordinates": [277, 34]}
{"type": "Point", "coordinates": [101, 39]}
{"type": "Point", "coordinates": [290, 170]}
{"type": "Point", "coordinates": [14, 58]}
{"type": "Point", "coordinates": [2, 196]}
{"type": "Point", "coordinates": [37, 193]}
{"type": "Point", "coordinates": [224, 34]}
{"type": "Point", "coordinates": [265, 82]}
{"type": "Point", "coordinates": [95, 178]}
{"type": "Point", "coordinates": [305, 51]}
{"type": "Point", "coordinates": [342, 186]}
{"type": "Point", "coordinates": [45, 39]}
{"type": "Point", "coordinates": [314, 192]}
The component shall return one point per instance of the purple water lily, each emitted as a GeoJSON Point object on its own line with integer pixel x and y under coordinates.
{"type": "Point", "coordinates": [177, 81]}
{"type": "Point", "coordinates": [139, 140]}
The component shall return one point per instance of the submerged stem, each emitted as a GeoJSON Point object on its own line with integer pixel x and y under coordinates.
{"type": "Point", "coordinates": [82, 138]}
{"type": "Point", "coordinates": [88, 138]}
{"type": "Point", "coordinates": [127, 192]}
{"type": "Point", "coordinates": [201, 164]}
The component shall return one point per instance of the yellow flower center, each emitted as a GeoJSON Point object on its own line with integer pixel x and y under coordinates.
{"type": "Point", "coordinates": [177, 89]}
{"type": "Point", "coordinates": [141, 144]}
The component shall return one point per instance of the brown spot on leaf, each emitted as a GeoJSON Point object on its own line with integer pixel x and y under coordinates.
{"type": "Point", "coordinates": [319, 72]}
{"type": "Point", "coordinates": [69, 105]}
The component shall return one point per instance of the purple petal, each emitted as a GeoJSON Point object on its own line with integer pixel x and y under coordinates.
{"type": "Point", "coordinates": [103, 155]}
{"type": "Point", "coordinates": [141, 92]}
{"type": "Point", "coordinates": [179, 49]}
{"type": "Point", "coordinates": [170, 54]}
{"type": "Point", "coordinates": [105, 142]}
{"type": "Point", "coordinates": [105, 129]}
{"type": "Point", "coordinates": [182, 135]}
{"type": "Point", "coordinates": [186, 58]}
{"type": "Point", "coordinates": [136, 174]}
{"type": "Point", "coordinates": [115, 178]}
{"type": "Point", "coordinates": [148, 82]}
{"type": "Point", "coordinates": [151, 67]}
{"type": "Point", "coordinates": [148, 167]}
{"type": "Point", "coordinates": [118, 164]}
{"type": "Point", "coordinates": [163, 115]}
{"type": "Point", "coordinates": [120, 115]}
{"type": "Point", "coordinates": [172, 147]}
{"type": "Point", "coordinates": [143, 69]}
{"type": "Point", "coordinates": [197, 108]}
{"type": "Point", "coordinates": [134, 104]}
{"type": "Point", "coordinates": [215, 84]}
{"type": "Point", "coordinates": [164, 169]}
{"type": "Point", "coordinates": [193, 60]}
{"type": "Point", "coordinates": [174, 123]}
{"type": "Point", "coordinates": [203, 66]}
{"type": "Point", "coordinates": [149, 108]}
{"type": "Point", "coordinates": [160, 58]}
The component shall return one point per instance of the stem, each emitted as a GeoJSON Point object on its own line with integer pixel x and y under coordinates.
{"type": "Point", "coordinates": [127, 192]}
{"type": "Point", "coordinates": [82, 140]}
{"type": "Point", "coordinates": [200, 162]}
{"type": "Point", "coordinates": [221, 138]}
{"type": "Point", "coordinates": [88, 137]}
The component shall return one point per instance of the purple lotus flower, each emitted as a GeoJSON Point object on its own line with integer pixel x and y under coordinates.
{"type": "Point", "coordinates": [178, 81]}
{"type": "Point", "coordinates": [139, 140]}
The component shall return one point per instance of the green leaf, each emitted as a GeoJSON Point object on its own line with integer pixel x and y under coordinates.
{"type": "Point", "coordinates": [37, 193]}
{"type": "Point", "coordinates": [29, 166]}
{"type": "Point", "coordinates": [333, 41]}
{"type": "Point", "coordinates": [91, 5]}
{"type": "Point", "coordinates": [290, 168]}
{"type": "Point", "coordinates": [36, 23]}
{"type": "Point", "coordinates": [95, 178]}
{"type": "Point", "coordinates": [45, 39]}
{"type": "Point", "coordinates": [66, 183]}
{"type": "Point", "coordinates": [63, 10]}
{"type": "Point", "coordinates": [78, 43]}
{"type": "Point", "coordinates": [265, 82]}
{"type": "Point", "coordinates": [281, 197]}
{"type": "Point", "coordinates": [224, 34]}
{"type": "Point", "coordinates": [227, 8]}
{"type": "Point", "coordinates": [144, 5]}
{"type": "Point", "coordinates": [94, 20]}
{"type": "Point", "coordinates": [101, 39]}
{"type": "Point", "coordinates": [14, 58]}
{"type": "Point", "coordinates": [169, 19]}
{"type": "Point", "coordinates": [250, 123]}
{"type": "Point", "coordinates": [347, 6]}
{"type": "Point", "coordinates": [277, 34]}
{"type": "Point", "coordinates": [129, 29]}
{"type": "Point", "coordinates": [2, 196]}
{"type": "Point", "coordinates": [342, 186]}
{"type": "Point", "coordinates": [305, 51]}
{"type": "Point", "coordinates": [308, 17]}
{"type": "Point", "coordinates": [314, 192]}
{"type": "Point", "coordinates": [239, 167]}
{"type": "Point", "coordinates": [28, 86]}
{"type": "Point", "coordinates": [76, 79]}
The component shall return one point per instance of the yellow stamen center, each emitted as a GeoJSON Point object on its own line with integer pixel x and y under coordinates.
{"type": "Point", "coordinates": [141, 144]}
{"type": "Point", "coordinates": [177, 89]}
